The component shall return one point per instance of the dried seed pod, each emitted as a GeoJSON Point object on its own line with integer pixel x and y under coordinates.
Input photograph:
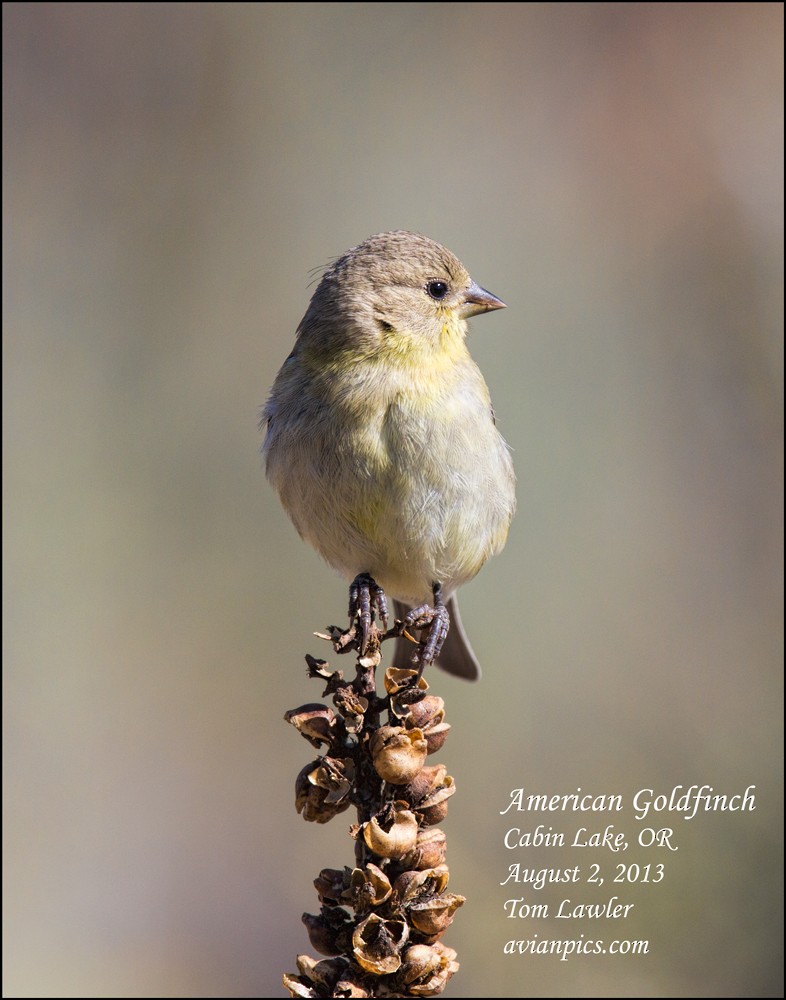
{"type": "Point", "coordinates": [352, 708]}
{"type": "Point", "coordinates": [433, 985]}
{"type": "Point", "coordinates": [335, 776]}
{"type": "Point", "coordinates": [377, 944]}
{"type": "Point", "coordinates": [351, 987]}
{"type": "Point", "coordinates": [428, 793]}
{"type": "Point", "coordinates": [429, 851]}
{"type": "Point", "coordinates": [396, 838]}
{"type": "Point", "coordinates": [322, 972]}
{"type": "Point", "coordinates": [428, 715]}
{"type": "Point", "coordinates": [367, 887]}
{"type": "Point", "coordinates": [449, 953]}
{"type": "Point", "coordinates": [426, 974]}
{"type": "Point", "coordinates": [330, 932]}
{"type": "Point", "coordinates": [434, 808]}
{"type": "Point", "coordinates": [419, 961]}
{"type": "Point", "coordinates": [404, 688]}
{"type": "Point", "coordinates": [428, 780]}
{"type": "Point", "coordinates": [398, 754]}
{"type": "Point", "coordinates": [331, 883]}
{"type": "Point", "coordinates": [306, 965]}
{"type": "Point", "coordinates": [311, 800]}
{"type": "Point", "coordinates": [419, 885]}
{"type": "Point", "coordinates": [399, 679]}
{"type": "Point", "coordinates": [427, 710]}
{"type": "Point", "coordinates": [314, 721]}
{"type": "Point", "coordinates": [433, 916]}
{"type": "Point", "coordinates": [298, 986]}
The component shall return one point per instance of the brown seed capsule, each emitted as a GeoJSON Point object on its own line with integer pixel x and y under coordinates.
{"type": "Point", "coordinates": [426, 712]}
{"type": "Point", "coordinates": [298, 986]}
{"type": "Point", "coordinates": [424, 783]}
{"type": "Point", "coordinates": [400, 679]}
{"type": "Point", "coordinates": [433, 916]}
{"type": "Point", "coordinates": [323, 972]}
{"type": "Point", "coordinates": [335, 776]}
{"type": "Point", "coordinates": [350, 988]}
{"type": "Point", "coordinates": [330, 931]}
{"type": "Point", "coordinates": [437, 968]}
{"type": "Point", "coordinates": [394, 842]}
{"type": "Point", "coordinates": [377, 944]}
{"type": "Point", "coordinates": [429, 851]}
{"type": "Point", "coordinates": [419, 962]}
{"type": "Point", "coordinates": [367, 887]}
{"type": "Point", "coordinates": [434, 808]}
{"type": "Point", "coordinates": [428, 715]}
{"type": "Point", "coordinates": [330, 884]}
{"type": "Point", "coordinates": [311, 800]}
{"type": "Point", "coordinates": [320, 669]}
{"type": "Point", "coordinates": [449, 953]}
{"type": "Point", "coordinates": [419, 885]}
{"type": "Point", "coordinates": [306, 964]}
{"type": "Point", "coordinates": [431, 986]}
{"type": "Point", "coordinates": [352, 708]}
{"type": "Point", "coordinates": [398, 754]}
{"type": "Point", "coordinates": [314, 721]}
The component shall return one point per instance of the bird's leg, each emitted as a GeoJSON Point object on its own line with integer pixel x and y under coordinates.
{"type": "Point", "coordinates": [365, 594]}
{"type": "Point", "coordinates": [437, 620]}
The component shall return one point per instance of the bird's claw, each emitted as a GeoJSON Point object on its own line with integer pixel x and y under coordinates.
{"type": "Point", "coordinates": [436, 620]}
{"type": "Point", "coordinates": [365, 595]}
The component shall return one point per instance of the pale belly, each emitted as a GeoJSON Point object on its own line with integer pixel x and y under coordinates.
{"type": "Point", "coordinates": [412, 498]}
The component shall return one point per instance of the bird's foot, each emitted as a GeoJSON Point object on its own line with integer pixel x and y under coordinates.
{"type": "Point", "coordinates": [433, 622]}
{"type": "Point", "coordinates": [365, 595]}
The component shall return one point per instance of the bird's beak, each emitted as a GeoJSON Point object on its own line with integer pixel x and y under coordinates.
{"type": "Point", "coordinates": [478, 300]}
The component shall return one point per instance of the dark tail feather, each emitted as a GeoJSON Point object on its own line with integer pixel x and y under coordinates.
{"type": "Point", "coordinates": [456, 656]}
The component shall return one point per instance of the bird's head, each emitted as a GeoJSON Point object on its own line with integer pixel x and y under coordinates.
{"type": "Point", "coordinates": [394, 294]}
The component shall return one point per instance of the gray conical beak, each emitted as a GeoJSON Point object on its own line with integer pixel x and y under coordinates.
{"type": "Point", "coordinates": [478, 300]}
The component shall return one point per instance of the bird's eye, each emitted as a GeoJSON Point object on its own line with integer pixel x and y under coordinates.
{"type": "Point", "coordinates": [437, 289]}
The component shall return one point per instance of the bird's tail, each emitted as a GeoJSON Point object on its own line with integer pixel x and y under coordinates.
{"type": "Point", "coordinates": [456, 656]}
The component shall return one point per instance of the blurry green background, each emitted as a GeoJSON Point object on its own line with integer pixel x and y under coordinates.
{"type": "Point", "coordinates": [173, 173]}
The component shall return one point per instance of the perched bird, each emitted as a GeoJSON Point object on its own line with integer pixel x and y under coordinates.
{"type": "Point", "coordinates": [381, 440]}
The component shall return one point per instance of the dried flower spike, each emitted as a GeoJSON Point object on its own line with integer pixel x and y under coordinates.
{"type": "Point", "coordinates": [380, 921]}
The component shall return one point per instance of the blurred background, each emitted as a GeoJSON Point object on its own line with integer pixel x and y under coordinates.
{"type": "Point", "coordinates": [174, 173]}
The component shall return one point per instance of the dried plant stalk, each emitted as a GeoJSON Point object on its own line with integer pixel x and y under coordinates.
{"type": "Point", "coordinates": [380, 922]}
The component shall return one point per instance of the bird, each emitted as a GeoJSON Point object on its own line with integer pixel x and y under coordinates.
{"type": "Point", "coordinates": [382, 444]}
